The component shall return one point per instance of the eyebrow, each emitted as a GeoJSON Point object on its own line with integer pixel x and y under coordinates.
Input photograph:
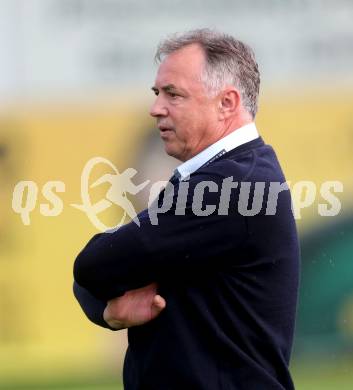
{"type": "Point", "coordinates": [166, 88]}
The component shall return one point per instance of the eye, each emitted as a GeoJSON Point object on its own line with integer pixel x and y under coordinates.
{"type": "Point", "coordinates": [173, 95]}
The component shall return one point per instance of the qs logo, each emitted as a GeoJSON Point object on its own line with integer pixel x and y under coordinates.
{"type": "Point", "coordinates": [121, 183]}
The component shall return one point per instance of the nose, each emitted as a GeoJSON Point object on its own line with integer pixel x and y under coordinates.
{"type": "Point", "coordinates": [158, 108]}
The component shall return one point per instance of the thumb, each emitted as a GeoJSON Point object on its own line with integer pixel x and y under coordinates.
{"type": "Point", "coordinates": [158, 303]}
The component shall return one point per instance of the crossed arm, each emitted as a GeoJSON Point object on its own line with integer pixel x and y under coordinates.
{"type": "Point", "coordinates": [116, 273]}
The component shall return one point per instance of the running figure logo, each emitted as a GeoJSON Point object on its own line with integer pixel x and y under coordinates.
{"type": "Point", "coordinates": [121, 183]}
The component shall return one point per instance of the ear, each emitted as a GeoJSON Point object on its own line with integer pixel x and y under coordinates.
{"type": "Point", "coordinates": [229, 103]}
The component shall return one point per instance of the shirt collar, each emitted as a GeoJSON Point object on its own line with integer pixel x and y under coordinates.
{"type": "Point", "coordinates": [236, 138]}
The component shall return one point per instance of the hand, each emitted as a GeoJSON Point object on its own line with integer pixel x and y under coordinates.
{"type": "Point", "coordinates": [135, 307]}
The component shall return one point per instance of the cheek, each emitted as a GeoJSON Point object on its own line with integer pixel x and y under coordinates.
{"type": "Point", "coordinates": [196, 123]}
{"type": "Point", "coordinates": [190, 124]}
{"type": "Point", "coordinates": [184, 125]}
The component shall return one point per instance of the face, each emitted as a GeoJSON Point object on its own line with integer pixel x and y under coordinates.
{"type": "Point", "coordinates": [186, 116]}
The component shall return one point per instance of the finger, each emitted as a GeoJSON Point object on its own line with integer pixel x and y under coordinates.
{"type": "Point", "coordinates": [159, 302]}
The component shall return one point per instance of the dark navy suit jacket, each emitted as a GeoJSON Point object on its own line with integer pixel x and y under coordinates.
{"type": "Point", "coordinates": [230, 283]}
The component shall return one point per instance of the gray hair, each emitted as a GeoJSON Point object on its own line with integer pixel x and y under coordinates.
{"type": "Point", "coordinates": [228, 61]}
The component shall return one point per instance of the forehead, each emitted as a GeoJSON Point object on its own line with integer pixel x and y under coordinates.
{"type": "Point", "coordinates": [183, 66]}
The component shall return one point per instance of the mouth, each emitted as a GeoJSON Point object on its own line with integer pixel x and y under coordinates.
{"type": "Point", "coordinates": [164, 128]}
{"type": "Point", "coordinates": [165, 131]}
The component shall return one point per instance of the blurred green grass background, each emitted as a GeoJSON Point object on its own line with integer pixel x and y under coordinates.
{"type": "Point", "coordinates": [328, 374]}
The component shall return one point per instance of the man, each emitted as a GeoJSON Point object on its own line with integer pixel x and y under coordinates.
{"type": "Point", "coordinates": [209, 292]}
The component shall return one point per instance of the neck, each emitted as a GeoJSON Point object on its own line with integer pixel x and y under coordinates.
{"type": "Point", "coordinates": [234, 124]}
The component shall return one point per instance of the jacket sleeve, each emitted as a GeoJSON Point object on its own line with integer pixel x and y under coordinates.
{"type": "Point", "coordinates": [91, 306]}
{"type": "Point", "coordinates": [178, 246]}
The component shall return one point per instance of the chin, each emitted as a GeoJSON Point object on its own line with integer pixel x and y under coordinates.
{"type": "Point", "coordinates": [172, 152]}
